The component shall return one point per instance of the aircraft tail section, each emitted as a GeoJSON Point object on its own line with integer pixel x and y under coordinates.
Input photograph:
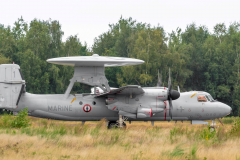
{"type": "Point", "coordinates": [12, 85]}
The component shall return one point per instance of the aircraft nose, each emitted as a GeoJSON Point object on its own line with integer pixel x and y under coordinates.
{"type": "Point", "coordinates": [229, 109]}
{"type": "Point", "coordinates": [226, 108]}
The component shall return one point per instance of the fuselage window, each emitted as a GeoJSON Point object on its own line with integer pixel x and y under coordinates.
{"type": "Point", "coordinates": [202, 99]}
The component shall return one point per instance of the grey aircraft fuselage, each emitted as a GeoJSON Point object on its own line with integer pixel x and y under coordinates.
{"type": "Point", "coordinates": [132, 101]}
{"type": "Point", "coordinates": [81, 107]}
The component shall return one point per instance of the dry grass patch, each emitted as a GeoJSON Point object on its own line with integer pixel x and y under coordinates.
{"type": "Point", "coordinates": [51, 139]}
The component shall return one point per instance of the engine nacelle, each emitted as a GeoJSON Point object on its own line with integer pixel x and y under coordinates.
{"type": "Point", "coordinates": [148, 112]}
{"type": "Point", "coordinates": [157, 104]}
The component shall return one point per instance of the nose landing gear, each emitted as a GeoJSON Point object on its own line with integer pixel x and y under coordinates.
{"type": "Point", "coordinates": [213, 126]}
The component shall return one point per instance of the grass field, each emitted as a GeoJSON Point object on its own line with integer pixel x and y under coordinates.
{"type": "Point", "coordinates": [51, 139]}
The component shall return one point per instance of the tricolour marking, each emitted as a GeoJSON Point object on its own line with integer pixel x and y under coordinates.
{"type": "Point", "coordinates": [193, 95]}
{"type": "Point", "coordinates": [73, 100]}
{"type": "Point", "coordinates": [87, 108]}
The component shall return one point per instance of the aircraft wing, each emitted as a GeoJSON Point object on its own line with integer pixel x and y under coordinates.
{"type": "Point", "coordinates": [126, 90]}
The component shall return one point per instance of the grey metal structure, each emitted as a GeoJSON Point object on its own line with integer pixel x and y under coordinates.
{"type": "Point", "coordinates": [131, 103]}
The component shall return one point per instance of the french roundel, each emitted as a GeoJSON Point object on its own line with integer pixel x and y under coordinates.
{"type": "Point", "coordinates": [87, 108]}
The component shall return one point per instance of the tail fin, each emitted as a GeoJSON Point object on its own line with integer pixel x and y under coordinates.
{"type": "Point", "coordinates": [12, 85]}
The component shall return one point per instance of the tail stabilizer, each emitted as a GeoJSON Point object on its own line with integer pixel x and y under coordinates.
{"type": "Point", "coordinates": [12, 85]}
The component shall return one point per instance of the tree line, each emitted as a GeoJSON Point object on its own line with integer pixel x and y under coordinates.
{"type": "Point", "coordinates": [198, 59]}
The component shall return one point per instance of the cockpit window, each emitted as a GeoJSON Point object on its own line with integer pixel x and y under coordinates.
{"type": "Point", "coordinates": [210, 97]}
{"type": "Point", "coordinates": [202, 99]}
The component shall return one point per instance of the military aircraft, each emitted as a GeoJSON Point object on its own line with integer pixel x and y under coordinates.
{"type": "Point", "coordinates": [116, 105]}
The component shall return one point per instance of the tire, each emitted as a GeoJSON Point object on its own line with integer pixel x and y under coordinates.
{"type": "Point", "coordinates": [111, 125]}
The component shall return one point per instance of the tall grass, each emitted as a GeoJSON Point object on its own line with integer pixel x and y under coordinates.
{"type": "Point", "coordinates": [51, 139]}
{"type": "Point", "coordinates": [235, 131]}
{"type": "Point", "coordinates": [229, 120]}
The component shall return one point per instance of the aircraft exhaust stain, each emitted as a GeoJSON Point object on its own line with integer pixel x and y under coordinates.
{"type": "Point", "coordinates": [193, 95]}
{"type": "Point", "coordinates": [73, 100]}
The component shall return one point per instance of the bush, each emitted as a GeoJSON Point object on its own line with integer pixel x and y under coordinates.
{"type": "Point", "coordinates": [19, 121]}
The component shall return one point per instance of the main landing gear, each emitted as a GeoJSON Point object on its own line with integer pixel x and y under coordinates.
{"type": "Point", "coordinates": [115, 124]}
{"type": "Point", "coordinates": [118, 124]}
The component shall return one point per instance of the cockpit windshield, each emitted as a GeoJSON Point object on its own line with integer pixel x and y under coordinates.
{"type": "Point", "coordinates": [205, 98]}
{"type": "Point", "coordinates": [210, 97]}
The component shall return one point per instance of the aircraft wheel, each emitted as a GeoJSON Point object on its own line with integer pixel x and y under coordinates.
{"type": "Point", "coordinates": [111, 125]}
{"type": "Point", "coordinates": [212, 128]}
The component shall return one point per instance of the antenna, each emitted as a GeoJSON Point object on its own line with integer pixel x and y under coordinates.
{"type": "Point", "coordinates": [90, 70]}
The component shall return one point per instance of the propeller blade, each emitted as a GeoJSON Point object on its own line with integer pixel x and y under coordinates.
{"type": "Point", "coordinates": [169, 81]}
{"type": "Point", "coordinates": [170, 107]}
{"type": "Point", "coordinates": [169, 95]}
{"type": "Point", "coordinates": [178, 89]}
{"type": "Point", "coordinates": [159, 84]}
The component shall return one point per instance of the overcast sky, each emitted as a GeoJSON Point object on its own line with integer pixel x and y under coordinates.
{"type": "Point", "coordinates": [90, 18]}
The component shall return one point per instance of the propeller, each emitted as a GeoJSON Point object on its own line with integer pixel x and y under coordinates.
{"type": "Point", "coordinates": [172, 95]}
